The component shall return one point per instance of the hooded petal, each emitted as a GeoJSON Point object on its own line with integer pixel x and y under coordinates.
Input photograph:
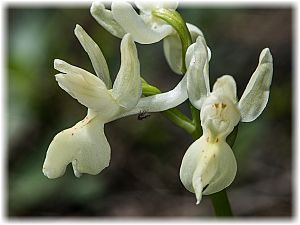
{"type": "Point", "coordinates": [95, 54]}
{"type": "Point", "coordinates": [219, 115]}
{"type": "Point", "coordinates": [132, 23]}
{"type": "Point", "coordinates": [88, 89]}
{"type": "Point", "coordinates": [197, 74]}
{"type": "Point", "coordinates": [226, 85]}
{"type": "Point", "coordinates": [127, 88]}
{"type": "Point", "coordinates": [173, 49]}
{"type": "Point", "coordinates": [84, 144]}
{"type": "Point", "coordinates": [105, 18]}
{"type": "Point", "coordinates": [256, 94]}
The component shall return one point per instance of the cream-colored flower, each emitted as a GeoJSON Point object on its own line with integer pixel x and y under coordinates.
{"type": "Point", "coordinates": [85, 145]}
{"type": "Point", "coordinates": [144, 27]}
{"type": "Point", "coordinates": [209, 164]}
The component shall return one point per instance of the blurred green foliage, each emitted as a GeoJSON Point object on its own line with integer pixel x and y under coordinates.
{"type": "Point", "coordinates": [143, 179]}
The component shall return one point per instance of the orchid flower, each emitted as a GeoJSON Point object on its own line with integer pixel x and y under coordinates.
{"type": "Point", "coordinates": [209, 164]}
{"type": "Point", "coordinates": [85, 145]}
{"type": "Point", "coordinates": [145, 28]}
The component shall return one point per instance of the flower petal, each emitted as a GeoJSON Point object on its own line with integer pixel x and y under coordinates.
{"type": "Point", "coordinates": [88, 89]}
{"type": "Point", "coordinates": [197, 74]}
{"type": "Point", "coordinates": [173, 49]}
{"type": "Point", "coordinates": [160, 102]}
{"type": "Point", "coordinates": [219, 115]}
{"type": "Point", "coordinates": [226, 172]}
{"type": "Point", "coordinates": [199, 166]}
{"type": "Point", "coordinates": [148, 6]}
{"type": "Point", "coordinates": [173, 52]}
{"type": "Point", "coordinates": [226, 85]}
{"type": "Point", "coordinates": [190, 54]}
{"type": "Point", "coordinates": [105, 18]}
{"type": "Point", "coordinates": [95, 54]}
{"type": "Point", "coordinates": [127, 88]}
{"type": "Point", "coordinates": [64, 67]}
{"type": "Point", "coordinates": [256, 94]}
{"type": "Point", "coordinates": [207, 165]}
{"type": "Point", "coordinates": [84, 144]}
{"type": "Point", "coordinates": [132, 23]}
{"type": "Point", "coordinates": [194, 31]}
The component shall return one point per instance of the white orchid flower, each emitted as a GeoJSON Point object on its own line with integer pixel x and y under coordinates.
{"type": "Point", "coordinates": [85, 145]}
{"type": "Point", "coordinates": [209, 164]}
{"type": "Point", "coordinates": [122, 19]}
{"type": "Point", "coordinates": [144, 27]}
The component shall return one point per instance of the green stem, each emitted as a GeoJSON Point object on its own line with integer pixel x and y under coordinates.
{"type": "Point", "coordinates": [221, 204]}
{"type": "Point", "coordinates": [179, 119]}
{"type": "Point", "coordinates": [196, 121]}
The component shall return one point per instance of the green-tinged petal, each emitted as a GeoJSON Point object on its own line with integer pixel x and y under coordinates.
{"type": "Point", "coordinates": [226, 85]}
{"type": "Point", "coordinates": [256, 94]}
{"type": "Point", "coordinates": [199, 166]}
{"type": "Point", "coordinates": [132, 23]}
{"type": "Point", "coordinates": [173, 52]}
{"type": "Point", "coordinates": [148, 6]}
{"type": "Point", "coordinates": [95, 54]}
{"type": "Point", "coordinates": [105, 18]}
{"type": "Point", "coordinates": [84, 145]}
{"type": "Point", "coordinates": [88, 89]}
{"type": "Point", "coordinates": [197, 74]}
{"type": "Point", "coordinates": [127, 88]}
{"type": "Point", "coordinates": [173, 49]}
{"type": "Point", "coordinates": [160, 102]}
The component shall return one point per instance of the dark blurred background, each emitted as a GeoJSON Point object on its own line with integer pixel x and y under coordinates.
{"type": "Point", "coordinates": [143, 177]}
